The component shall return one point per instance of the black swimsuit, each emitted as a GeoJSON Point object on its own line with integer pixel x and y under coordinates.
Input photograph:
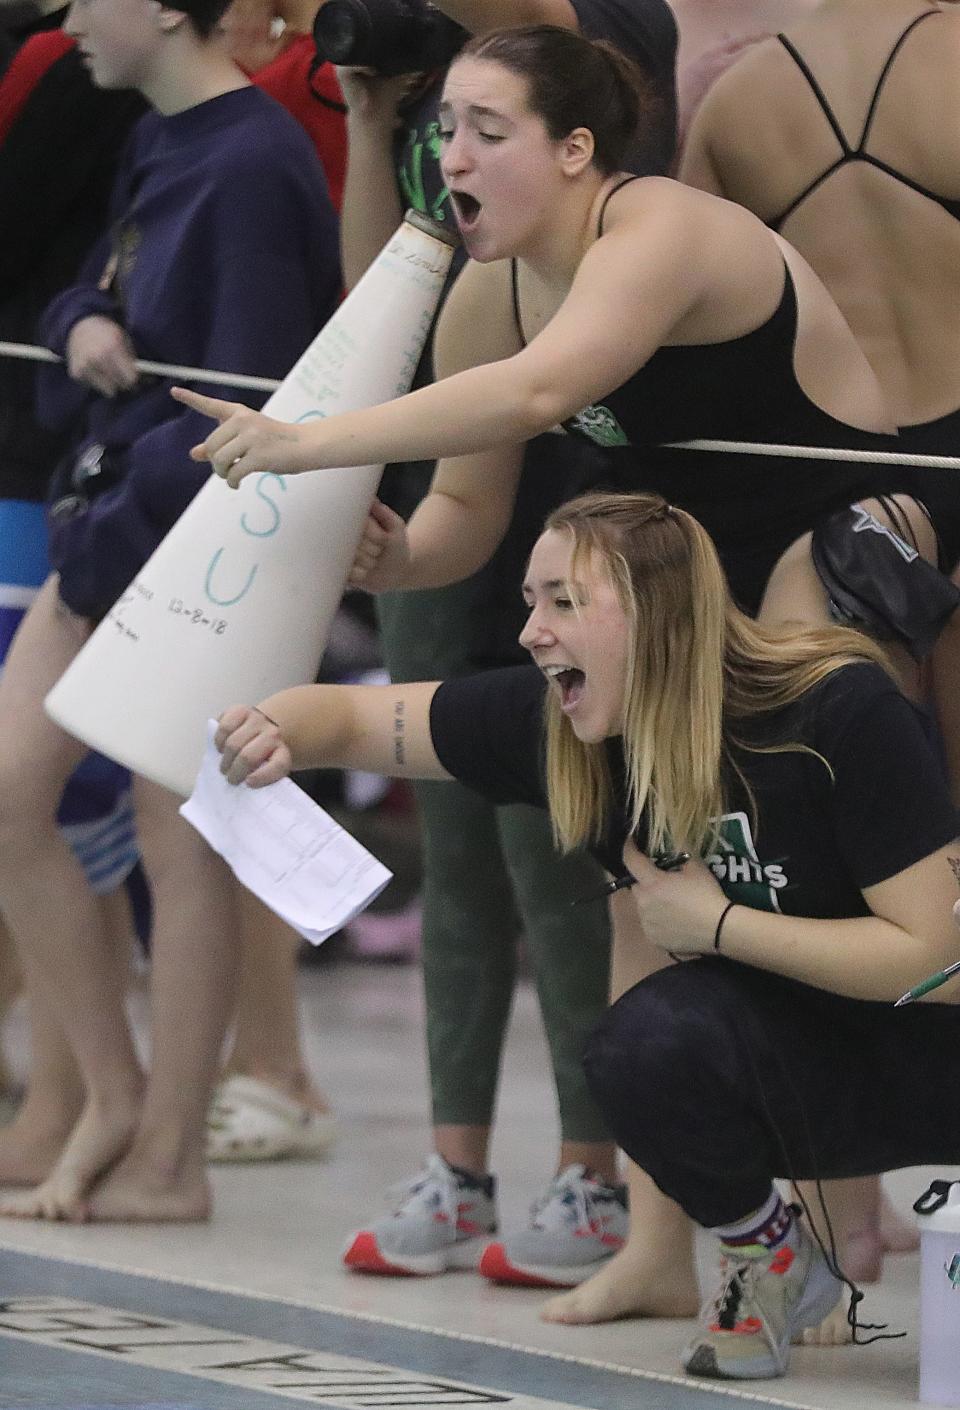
{"type": "Point", "coordinates": [858, 153]}
{"type": "Point", "coordinates": [939, 489]}
{"type": "Point", "coordinates": [744, 389]}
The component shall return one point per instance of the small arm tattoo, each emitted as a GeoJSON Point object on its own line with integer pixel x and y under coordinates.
{"type": "Point", "coordinates": [399, 739]}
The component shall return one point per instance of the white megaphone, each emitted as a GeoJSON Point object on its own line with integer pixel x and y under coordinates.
{"type": "Point", "coordinates": [237, 600]}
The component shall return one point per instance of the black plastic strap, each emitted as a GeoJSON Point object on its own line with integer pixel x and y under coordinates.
{"type": "Point", "coordinates": [935, 1197]}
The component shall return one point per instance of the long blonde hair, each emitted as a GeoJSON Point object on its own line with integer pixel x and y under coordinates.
{"type": "Point", "coordinates": [697, 666]}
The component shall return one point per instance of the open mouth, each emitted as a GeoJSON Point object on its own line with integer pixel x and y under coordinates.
{"type": "Point", "coordinates": [466, 207]}
{"type": "Point", "coordinates": [569, 681]}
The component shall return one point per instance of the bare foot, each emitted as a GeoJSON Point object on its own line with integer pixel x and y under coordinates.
{"type": "Point", "coordinates": [628, 1286]}
{"type": "Point", "coordinates": [834, 1330]}
{"type": "Point", "coordinates": [99, 1138]}
{"type": "Point", "coordinates": [142, 1191]}
{"type": "Point", "coordinates": [31, 1144]}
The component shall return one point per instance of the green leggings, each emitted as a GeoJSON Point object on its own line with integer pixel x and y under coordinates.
{"type": "Point", "coordinates": [489, 871]}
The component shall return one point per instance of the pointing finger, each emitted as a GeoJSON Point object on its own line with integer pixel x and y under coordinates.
{"type": "Point", "coordinates": [208, 406]}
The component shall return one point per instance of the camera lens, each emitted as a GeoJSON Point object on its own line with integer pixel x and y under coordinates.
{"type": "Point", "coordinates": [341, 31]}
{"type": "Point", "coordinates": [388, 36]}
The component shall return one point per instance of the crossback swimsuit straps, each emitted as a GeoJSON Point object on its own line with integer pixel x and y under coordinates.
{"type": "Point", "coordinates": [858, 153]}
{"type": "Point", "coordinates": [938, 489]}
{"type": "Point", "coordinates": [744, 389]}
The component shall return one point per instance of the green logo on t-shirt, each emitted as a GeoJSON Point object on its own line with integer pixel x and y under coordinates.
{"type": "Point", "coordinates": [735, 864]}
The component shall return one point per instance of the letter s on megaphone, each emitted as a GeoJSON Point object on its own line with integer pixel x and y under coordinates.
{"type": "Point", "coordinates": [237, 600]}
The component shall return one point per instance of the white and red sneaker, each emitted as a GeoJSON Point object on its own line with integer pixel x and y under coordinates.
{"type": "Point", "coordinates": [574, 1228]}
{"type": "Point", "coordinates": [443, 1219]}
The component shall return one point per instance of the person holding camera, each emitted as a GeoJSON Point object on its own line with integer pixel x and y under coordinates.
{"type": "Point", "coordinates": [734, 778]}
{"type": "Point", "coordinates": [483, 864]}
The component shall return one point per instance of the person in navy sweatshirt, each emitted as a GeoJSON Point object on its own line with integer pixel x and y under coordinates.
{"type": "Point", "coordinates": [221, 253]}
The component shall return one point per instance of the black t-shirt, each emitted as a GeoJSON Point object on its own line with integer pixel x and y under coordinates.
{"type": "Point", "coordinates": [818, 838]}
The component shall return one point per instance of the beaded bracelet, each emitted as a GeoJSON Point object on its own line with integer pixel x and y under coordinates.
{"type": "Point", "coordinates": [723, 915]}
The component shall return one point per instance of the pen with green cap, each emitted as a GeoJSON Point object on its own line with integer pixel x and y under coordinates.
{"type": "Point", "coordinates": [934, 981]}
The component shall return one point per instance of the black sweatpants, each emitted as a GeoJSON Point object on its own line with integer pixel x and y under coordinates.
{"type": "Point", "coordinates": [715, 1078]}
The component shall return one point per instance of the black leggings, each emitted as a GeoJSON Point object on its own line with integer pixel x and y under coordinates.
{"type": "Point", "coordinates": [715, 1078]}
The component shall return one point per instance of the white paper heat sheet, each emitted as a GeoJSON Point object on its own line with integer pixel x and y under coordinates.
{"type": "Point", "coordinates": [285, 849]}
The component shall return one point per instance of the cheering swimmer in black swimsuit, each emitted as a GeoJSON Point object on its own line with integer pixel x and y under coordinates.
{"type": "Point", "coordinates": [633, 312]}
{"type": "Point", "coordinates": [844, 135]}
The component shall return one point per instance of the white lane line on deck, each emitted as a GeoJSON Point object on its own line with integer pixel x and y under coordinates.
{"type": "Point", "coordinates": [685, 1383]}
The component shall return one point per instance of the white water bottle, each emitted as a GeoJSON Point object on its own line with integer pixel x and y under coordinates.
{"type": "Point", "coordinates": [939, 1221]}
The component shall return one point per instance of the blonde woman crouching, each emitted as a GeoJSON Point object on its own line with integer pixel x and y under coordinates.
{"type": "Point", "coordinates": [657, 721]}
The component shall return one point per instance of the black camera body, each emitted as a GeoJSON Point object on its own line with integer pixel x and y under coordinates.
{"type": "Point", "coordinates": [388, 36]}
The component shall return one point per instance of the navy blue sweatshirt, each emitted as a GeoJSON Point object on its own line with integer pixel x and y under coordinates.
{"type": "Point", "coordinates": [222, 253]}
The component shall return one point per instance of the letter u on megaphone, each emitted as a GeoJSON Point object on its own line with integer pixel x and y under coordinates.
{"type": "Point", "coordinates": [237, 600]}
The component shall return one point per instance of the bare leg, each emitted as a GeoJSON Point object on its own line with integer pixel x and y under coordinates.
{"type": "Point", "coordinates": [11, 983]}
{"type": "Point", "coordinates": [163, 1174]}
{"type": "Point", "coordinates": [52, 914]}
{"type": "Point", "coordinates": [600, 1157]}
{"type": "Point", "coordinates": [466, 1147]}
{"type": "Point", "coordinates": [33, 1142]}
{"type": "Point", "coordinates": [653, 1275]}
{"type": "Point", "coordinates": [31, 1145]}
{"type": "Point", "coordinates": [463, 1146]}
{"type": "Point", "coordinates": [11, 978]}
{"type": "Point", "coordinates": [118, 927]}
{"type": "Point", "coordinates": [266, 1036]}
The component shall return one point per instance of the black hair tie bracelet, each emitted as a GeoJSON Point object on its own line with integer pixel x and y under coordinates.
{"type": "Point", "coordinates": [723, 915]}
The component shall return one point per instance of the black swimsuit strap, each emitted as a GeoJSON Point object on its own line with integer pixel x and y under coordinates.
{"type": "Point", "coordinates": [847, 153]}
{"type": "Point", "coordinates": [609, 197]}
{"type": "Point", "coordinates": [514, 268]}
{"type": "Point", "coordinates": [823, 101]}
{"type": "Point", "coordinates": [515, 295]}
{"type": "Point", "coordinates": [818, 93]}
{"type": "Point", "coordinates": [944, 202]}
{"type": "Point", "coordinates": [883, 76]}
